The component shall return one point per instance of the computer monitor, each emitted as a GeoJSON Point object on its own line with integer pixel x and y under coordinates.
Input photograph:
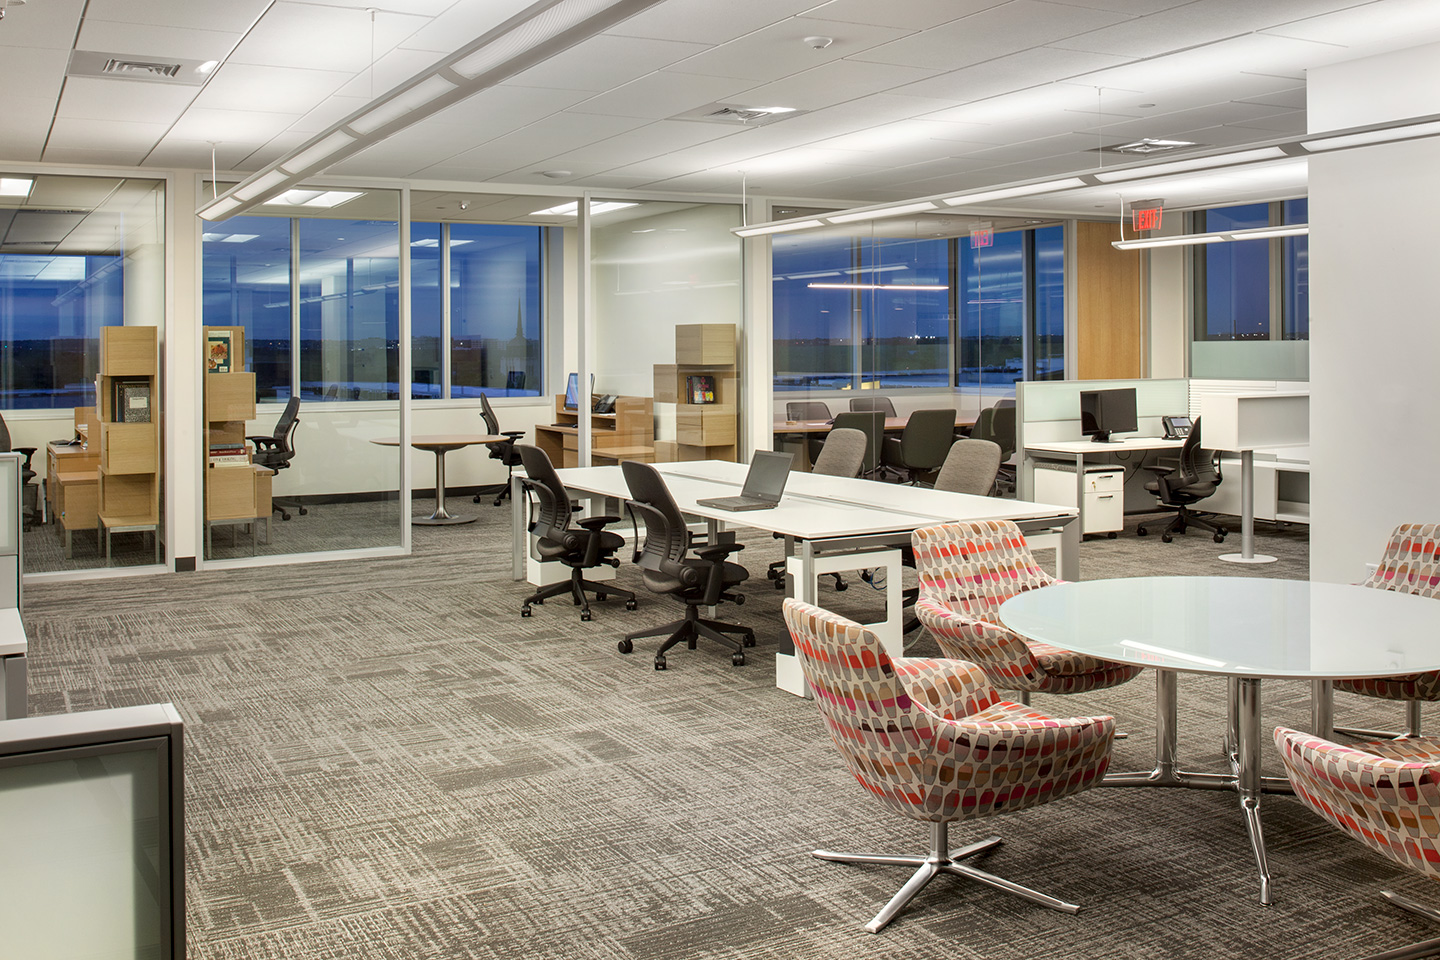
{"type": "Point", "coordinates": [1103, 412]}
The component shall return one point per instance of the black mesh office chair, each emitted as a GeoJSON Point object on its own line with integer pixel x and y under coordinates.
{"type": "Point", "coordinates": [277, 450]}
{"type": "Point", "coordinates": [29, 490]}
{"type": "Point", "coordinates": [921, 448]}
{"type": "Point", "coordinates": [1186, 483]}
{"type": "Point", "coordinates": [504, 450]}
{"type": "Point", "coordinates": [997, 424]}
{"type": "Point", "coordinates": [872, 424]}
{"type": "Point", "coordinates": [866, 404]}
{"type": "Point", "coordinates": [667, 567]}
{"type": "Point", "coordinates": [581, 547]}
{"type": "Point", "coordinates": [809, 410]}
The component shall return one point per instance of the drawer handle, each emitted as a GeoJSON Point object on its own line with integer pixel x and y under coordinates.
{"type": "Point", "coordinates": [1108, 496]}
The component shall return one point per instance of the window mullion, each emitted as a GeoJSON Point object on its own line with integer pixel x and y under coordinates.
{"type": "Point", "coordinates": [446, 347]}
{"type": "Point", "coordinates": [294, 307]}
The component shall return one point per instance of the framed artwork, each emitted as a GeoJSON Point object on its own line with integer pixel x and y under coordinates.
{"type": "Point", "coordinates": [700, 387]}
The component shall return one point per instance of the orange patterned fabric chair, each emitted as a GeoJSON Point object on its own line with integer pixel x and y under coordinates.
{"type": "Point", "coordinates": [932, 741]}
{"type": "Point", "coordinates": [966, 570]}
{"type": "Point", "coordinates": [1386, 794]}
{"type": "Point", "coordinates": [1411, 564]}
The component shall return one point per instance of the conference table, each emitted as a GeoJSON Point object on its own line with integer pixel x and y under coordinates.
{"type": "Point", "coordinates": [892, 425]}
{"type": "Point", "coordinates": [1246, 630]}
{"type": "Point", "coordinates": [441, 444]}
{"type": "Point", "coordinates": [828, 522]}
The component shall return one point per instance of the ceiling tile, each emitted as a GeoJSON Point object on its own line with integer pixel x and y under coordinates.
{"type": "Point", "coordinates": [150, 40]}
{"type": "Point", "coordinates": [663, 94]}
{"type": "Point", "coordinates": [48, 25]}
{"type": "Point", "coordinates": [234, 16]}
{"type": "Point", "coordinates": [195, 154]}
{"type": "Point", "coordinates": [908, 14]}
{"type": "Point", "coordinates": [244, 86]}
{"type": "Point", "coordinates": [778, 50]}
{"type": "Point", "coordinates": [1197, 23]}
{"type": "Point", "coordinates": [35, 71]}
{"type": "Point", "coordinates": [557, 134]}
{"type": "Point", "coordinates": [1014, 71]}
{"type": "Point", "coordinates": [1371, 26]}
{"type": "Point", "coordinates": [330, 112]}
{"type": "Point", "coordinates": [390, 71]}
{"type": "Point", "coordinates": [1015, 26]}
{"type": "Point", "coordinates": [653, 139]}
{"type": "Point", "coordinates": [322, 38]}
{"type": "Point", "coordinates": [461, 23]}
{"type": "Point", "coordinates": [265, 154]}
{"type": "Point", "coordinates": [95, 99]}
{"type": "Point", "coordinates": [426, 8]}
{"type": "Point", "coordinates": [108, 157]}
{"type": "Point", "coordinates": [835, 82]}
{"type": "Point", "coordinates": [708, 22]}
{"type": "Point", "coordinates": [205, 124]}
{"type": "Point", "coordinates": [603, 61]}
{"type": "Point", "coordinates": [88, 134]}
{"type": "Point", "coordinates": [1293, 97]}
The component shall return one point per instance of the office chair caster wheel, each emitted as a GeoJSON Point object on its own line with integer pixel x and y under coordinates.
{"type": "Point", "coordinates": [740, 600]}
{"type": "Point", "coordinates": [779, 584]}
{"type": "Point", "coordinates": [659, 663]}
{"type": "Point", "coordinates": [1166, 538]}
{"type": "Point", "coordinates": [499, 500]}
{"type": "Point", "coordinates": [601, 596]}
{"type": "Point", "coordinates": [749, 640]}
{"type": "Point", "coordinates": [525, 610]}
{"type": "Point", "coordinates": [585, 615]}
{"type": "Point", "coordinates": [841, 586]}
{"type": "Point", "coordinates": [738, 659]}
{"type": "Point", "coordinates": [629, 604]}
{"type": "Point", "coordinates": [1223, 531]}
{"type": "Point", "coordinates": [1141, 532]}
{"type": "Point", "coordinates": [1111, 535]}
{"type": "Point", "coordinates": [625, 646]}
{"type": "Point", "coordinates": [478, 498]}
{"type": "Point", "coordinates": [1219, 538]}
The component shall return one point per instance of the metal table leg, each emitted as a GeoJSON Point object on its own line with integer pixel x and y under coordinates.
{"type": "Point", "coordinates": [440, 516]}
{"type": "Point", "coordinates": [1251, 783]}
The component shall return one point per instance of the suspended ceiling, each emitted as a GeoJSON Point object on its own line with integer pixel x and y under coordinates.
{"type": "Point", "coordinates": [912, 97]}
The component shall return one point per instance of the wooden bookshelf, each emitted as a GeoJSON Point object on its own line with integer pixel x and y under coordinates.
{"type": "Point", "coordinates": [127, 449]}
{"type": "Point", "coordinates": [237, 492]}
{"type": "Point", "coordinates": [626, 434]}
{"type": "Point", "coordinates": [701, 430]}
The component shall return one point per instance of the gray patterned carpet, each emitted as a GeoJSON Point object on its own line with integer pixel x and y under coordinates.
{"type": "Point", "coordinates": [386, 761]}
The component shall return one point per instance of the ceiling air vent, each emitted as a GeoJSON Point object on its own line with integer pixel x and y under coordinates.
{"type": "Point", "coordinates": [736, 115]}
{"type": "Point", "coordinates": [114, 66]}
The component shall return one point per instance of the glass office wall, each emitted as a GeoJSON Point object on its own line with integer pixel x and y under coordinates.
{"type": "Point", "coordinates": [314, 294]}
{"type": "Point", "coordinates": [656, 266]}
{"type": "Point", "coordinates": [77, 255]}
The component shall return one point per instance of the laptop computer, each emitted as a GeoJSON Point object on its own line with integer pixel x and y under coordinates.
{"type": "Point", "coordinates": [764, 483]}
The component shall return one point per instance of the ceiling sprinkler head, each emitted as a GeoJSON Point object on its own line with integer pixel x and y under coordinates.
{"type": "Point", "coordinates": [464, 205]}
{"type": "Point", "coordinates": [818, 43]}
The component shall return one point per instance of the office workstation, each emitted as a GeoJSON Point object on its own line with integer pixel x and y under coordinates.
{"type": "Point", "coordinates": [578, 215]}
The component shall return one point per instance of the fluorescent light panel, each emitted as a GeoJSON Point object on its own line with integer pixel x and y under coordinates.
{"type": "Point", "coordinates": [880, 212]}
{"type": "Point", "coordinates": [1222, 236]}
{"type": "Point", "coordinates": [784, 227]}
{"type": "Point", "coordinates": [572, 209]}
{"type": "Point", "coordinates": [431, 88]}
{"type": "Point", "coordinates": [1373, 136]}
{"type": "Point", "coordinates": [15, 187]}
{"type": "Point", "coordinates": [877, 286]}
{"type": "Point", "coordinates": [1050, 186]}
{"type": "Point", "coordinates": [1196, 163]}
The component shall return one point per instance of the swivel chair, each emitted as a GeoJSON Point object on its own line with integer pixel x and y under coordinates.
{"type": "Point", "coordinates": [667, 567]}
{"type": "Point", "coordinates": [872, 424]}
{"type": "Point", "coordinates": [809, 410]}
{"type": "Point", "coordinates": [922, 447]}
{"type": "Point", "coordinates": [867, 404]}
{"type": "Point", "coordinates": [842, 456]}
{"type": "Point", "coordinates": [1384, 794]}
{"type": "Point", "coordinates": [931, 740]}
{"type": "Point", "coordinates": [277, 450]}
{"type": "Point", "coordinates": [579, 549]}
{"type": "Point", "coordinates": [503, 450]}
{"type": "Point", "coordinates": [966, 571]}
{"type": "Point", "coordinates": [29, 490]}
{"type": "Point", "coordinates": [1182, 486]}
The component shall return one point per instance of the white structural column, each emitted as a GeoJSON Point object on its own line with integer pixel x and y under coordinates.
{"type": "Point", "coordinates": [1374, 339]}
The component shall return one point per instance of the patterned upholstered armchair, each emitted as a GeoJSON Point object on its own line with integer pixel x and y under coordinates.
{"type": "Point", "coordinates": [1411, 564]}
{"type": "Point", "coordinates": [1386, 794]}
{"type": "Point", "coordinates": [931, 740]}
{"type": "Point", "coordinates": [966, 570]}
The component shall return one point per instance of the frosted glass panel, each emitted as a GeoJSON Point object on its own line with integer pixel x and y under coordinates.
{"type": "Point", "coordinates": [10, 479]}
{"type": "Point", "coordinates": [1250, 359]}
{"type": "Point", "coordinates": [80, 858]}
{"type": "Point", "coordinates": [1060, 400]}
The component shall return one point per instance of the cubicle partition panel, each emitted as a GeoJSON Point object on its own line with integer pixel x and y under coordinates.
{"type": "Point", "coordinates": [1049, 410]}
{"type": "Point", "coordinates": [11, 558]}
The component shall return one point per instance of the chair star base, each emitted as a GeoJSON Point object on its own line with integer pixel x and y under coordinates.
{"type": "Point", "coordinates": [576, 586]}
{"type": "Point", "coordinates": [941, 860]}
{"type": "Point", "coordinates": [1425, 948]}
{"type": "Point", "coordinates": [688, 631]}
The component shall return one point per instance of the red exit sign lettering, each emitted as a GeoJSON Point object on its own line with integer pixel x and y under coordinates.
{"type": "Point", "coordinates": [981, 235]}
{"type": "Point", "coordinates": [1148, 219]}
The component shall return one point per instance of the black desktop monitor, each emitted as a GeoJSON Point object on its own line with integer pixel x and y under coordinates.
{"type": "Point", "coordinates": [572, 391]}
{"type": "Point", "coordinates": [1103, 412]}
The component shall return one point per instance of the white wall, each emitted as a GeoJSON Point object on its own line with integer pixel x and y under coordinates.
{"type": "Point", "coordinates": [1374, 339]}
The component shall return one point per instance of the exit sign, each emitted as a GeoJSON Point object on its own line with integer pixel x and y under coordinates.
{"type": "Point", "coordinates": [1146, 218]}
{"type": "Point", "coordinates": [981, 235]}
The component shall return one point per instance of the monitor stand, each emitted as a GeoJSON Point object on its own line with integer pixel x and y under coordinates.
{"type": "Point", "coordinates": [1100, 436]}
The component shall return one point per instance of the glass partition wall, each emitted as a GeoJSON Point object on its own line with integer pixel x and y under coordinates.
{"type": "Point", "coordinates": [80, 255]}
{"type": "Point", "coordinates": [302, 302]}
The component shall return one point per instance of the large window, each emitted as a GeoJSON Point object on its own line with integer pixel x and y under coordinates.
{"type": "Point", "coordinates": [246, 269]}
{"type": "Point", "coordinates": [852, 312]}
{"type": "Point", "coordinates": [1252, 289]}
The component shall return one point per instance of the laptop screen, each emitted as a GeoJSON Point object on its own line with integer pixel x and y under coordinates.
{"type": "Point", "coordinates": [767, 475]}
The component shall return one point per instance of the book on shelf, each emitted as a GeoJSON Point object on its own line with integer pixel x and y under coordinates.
{"type": "Point", "coordinates": [225, 460]}
{"type": "Point", "coordinates": [217, 351]}
{"type": "Point", "coordinates": [700, 387]}
{"type": "Point", "coordinates": [131, 401]}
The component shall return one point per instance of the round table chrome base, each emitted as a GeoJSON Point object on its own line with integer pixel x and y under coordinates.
{"type": "Point", "coordinates": [1241, 558]}
{"type": "Point", "coordinates": [434, 521]}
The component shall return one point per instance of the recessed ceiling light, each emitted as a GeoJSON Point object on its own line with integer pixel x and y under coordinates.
{"type": "Point", "coordinates": [1148, 145]}
{"type": "Point", "coordinates": [555, 174]}
{"type": "Point", "coordinates": [571, 209]}
{"type": "Point", "coordinates": [15, 186]}
{"type": "Point", "coordinates": [205, 67]}
{"type": "Point", "coordinates": [313, 198]}
{"type": "Point", "coordinates": [1145, 105]}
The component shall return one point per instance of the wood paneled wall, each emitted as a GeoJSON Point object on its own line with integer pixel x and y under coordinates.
{"type": "Point", "coordinates": [1108, 313]}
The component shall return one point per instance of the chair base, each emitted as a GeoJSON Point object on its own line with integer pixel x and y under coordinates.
{"type": "Point", "coordinates": [688, 631]}
{"type": "Point", "coordinates": [1183, 519]}
{"type": "Point", "coordinates": [279, 506]}
{"type": "Point", "coordinates": [941, 860]}
{"type": "Point", "coordinates": [1425, 948]}
{"type": "Point", "coordinates": [504, 493]}
{"type": "Point", "coordinates": [1412, 726]}
{"type": "Point", "coordinates": [577, 586]}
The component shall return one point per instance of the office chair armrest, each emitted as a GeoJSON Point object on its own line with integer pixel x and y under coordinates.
{"type": "Point", "coordinates": [1001, 654]}
{"type": "Point", "coordinates": [265, 443]}
{"type": "Point", "coordinates": [27, 452]}
{"type": "Point", "coordinates": [948, 688]}
{"type": "Point", "coordinates": [596, 523]}
{"type": "Point", "coordinates": [513, 434]}
{"type": "Point", "coordinates": [717, 551]}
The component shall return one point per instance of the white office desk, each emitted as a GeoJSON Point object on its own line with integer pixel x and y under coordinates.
{"type": "Point", "coordinates": [828, 516]}
{"type": "Point", "coordinates": [13, 648]}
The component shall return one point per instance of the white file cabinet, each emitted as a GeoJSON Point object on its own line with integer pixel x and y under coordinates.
{"type": "Point", "coordinates": [1104, 508]}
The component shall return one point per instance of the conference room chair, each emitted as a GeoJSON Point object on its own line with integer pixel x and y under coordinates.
{"type": "Point", "coordinates": [1410, 564]}
{"type": "Point", "coordinates": [277, 450]}
{"type": "Point", "coordinates": [932, 741]}
{"type": "Point", "coordinates": [579, 544]}
{"type": "Point", "coordinates": [1003, 433]}
{"type": "Point", "coordinates": [872, 424]}
{"type": "Point", "coordinates": [966, 571]}
{"type": "Point", "coordinates": [29, 489]}
{"type": "Point", "coordinates": [809, 410]}
{"type": "Point", "coordinates": [1384, 794]}
{"type": "Point", "coordinates": [867, 404]}
{"type": "Point", "coordinates": [921, 448]}
{"type": "Point", "coordinates": [842, 455]}
{"type": "Point", "coordinates": [1182, 485]}
{"type": "Point", "coordinates": [667, 566]}
{"type": "Point", "coordinates": [503, 450]}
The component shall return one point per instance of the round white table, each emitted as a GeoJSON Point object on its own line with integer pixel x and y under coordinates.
{"type": "Point", "coordinates": [441, 444]}
{"type": "Point", "coordinates": [1241, 628]}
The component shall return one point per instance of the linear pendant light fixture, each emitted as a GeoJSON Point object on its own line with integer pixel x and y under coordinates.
{"type": "Point", "coordinates": [1220, 236]}
{"type": "Point", "coordinates": [530, 37]}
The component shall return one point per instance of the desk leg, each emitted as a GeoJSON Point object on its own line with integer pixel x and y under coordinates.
{"type": "Point", "coordinates": [440, 516]}
{"type": "Point", "coordinates": [13, 694]}
{"type": "Point", "coordinates": [519, 536]}
{"type": "Point", "coordinates": [1247, 552]}
{"type": "Point", "coordinates": [1067, 557]}
{"type": "Point", "coordinates": [1250, 780]}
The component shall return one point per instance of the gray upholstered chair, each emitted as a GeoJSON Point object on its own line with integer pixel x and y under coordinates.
{"type": "Point", "coordinates": [872, 424]}
{"type": "Point", "coordinates": [842, 456]}
{"type": "Point", "coordinates": [970, 467]}
{"type": "Point", "coordinates": [867, 404]}
{"type": "Point", "coordinates": [809, 410]}
{"type": "Point", "coordinates": [922, 447]}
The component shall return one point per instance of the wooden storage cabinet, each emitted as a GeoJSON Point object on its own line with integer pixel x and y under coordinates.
{"type": "Point", "coordinates": [128, 453]}
{"type": "Point", "coordinates": [235, 493]}
{"type": "Point", "coordinates": [626, 434]}
{"type": "Point", "coordinates": [701, 431]}
{"type": "Point", "coordinates": [128, 448]}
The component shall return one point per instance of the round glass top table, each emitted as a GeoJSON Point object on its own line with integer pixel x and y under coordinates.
{"type": "Point", "coordinates": [1241, 628]}
{"type": "Point", "coordinates": [441, 444]}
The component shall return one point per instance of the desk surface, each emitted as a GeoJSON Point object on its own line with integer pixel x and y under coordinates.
{"type": "Point", "coordinates": [12, 633]}
{"type": "Point", "coordinates": [1236, 626]}
{"type": "Point", "coordinates": [1118, 446]}
{"type": "Point", "coordinates": [443, 441]}
{"type": "Point", "coordinates": [814, 507]}
{"type": "Point", "coordinates": [892, 424]}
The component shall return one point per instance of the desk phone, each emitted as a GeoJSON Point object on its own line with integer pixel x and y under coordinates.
{"type": "Point", "coordinates": [1176, 428]}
